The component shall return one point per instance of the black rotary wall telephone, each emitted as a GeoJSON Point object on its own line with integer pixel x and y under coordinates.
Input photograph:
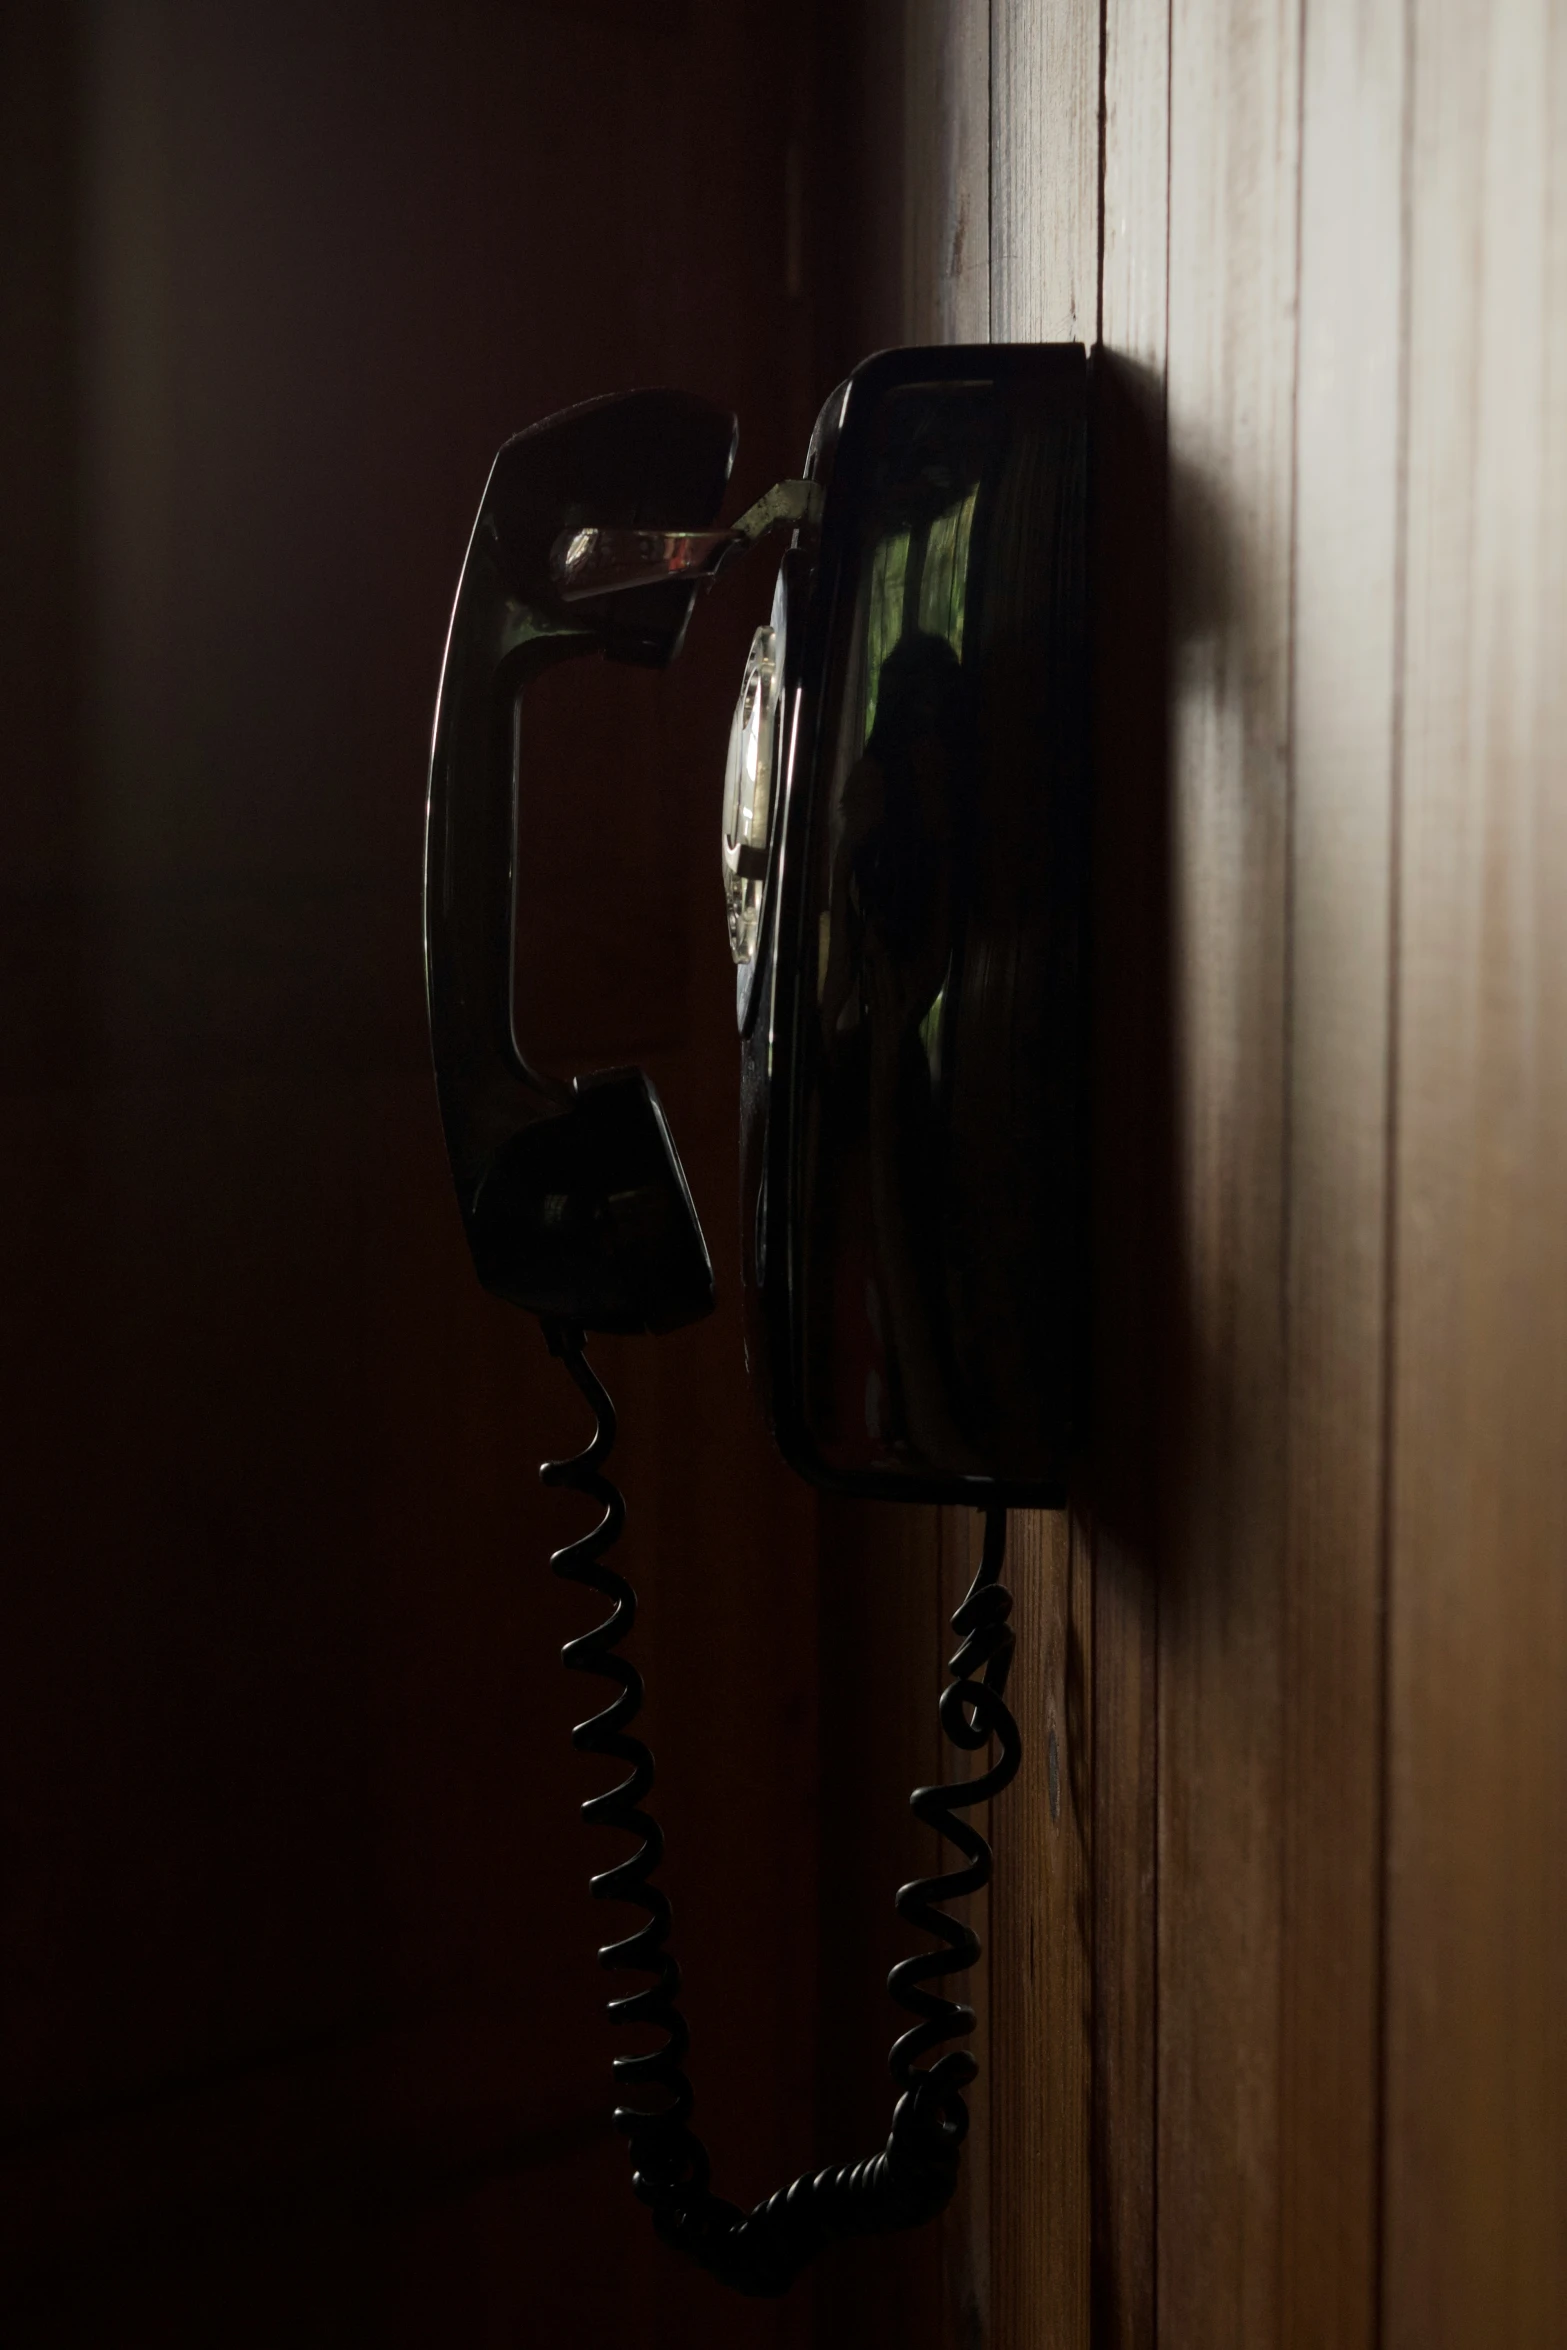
{"type": "Point", "coordinates": [905, 867]}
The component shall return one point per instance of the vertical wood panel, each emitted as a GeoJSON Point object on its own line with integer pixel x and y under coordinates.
{"type": "Point", "coordinates": [1044, 171]}
{"type": "Point", "coordinates": [946, 298]}
{"type": "Point", "coordinates": [1041, 1925]}
{"type": "Point", "coordinates": [1136, 180]}
{"type": "Point", "coordinates": [946, 212]}
{"type": "Point", "coordinates": [1044, 231]}
{"type": "Point", "coordinates": [893, 1576]}
{"type": "Point", "coordinates": [1234, 101]}
{"type": "Point", "coordinates": [1476, 2181]}
{"type": "Point", "coordinates": [1132, 1150]}
{"type": "Point", "coordinates": [1342, 748]}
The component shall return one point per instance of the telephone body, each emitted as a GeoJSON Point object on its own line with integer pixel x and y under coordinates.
{"type": "Point", "coordinates": [905, 870]}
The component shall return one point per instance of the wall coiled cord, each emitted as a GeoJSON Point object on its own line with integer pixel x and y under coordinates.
{"type": "Point", "coordinates": [913, 2176]}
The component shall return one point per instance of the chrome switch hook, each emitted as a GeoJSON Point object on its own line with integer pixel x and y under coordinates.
{"type": "Point", "coordinates": [599, 562]}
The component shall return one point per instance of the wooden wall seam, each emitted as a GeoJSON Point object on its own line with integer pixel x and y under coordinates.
{"type": "Point", "coordinates": [1343, 665]}
{"type": "Point", "coordinates": [1045, 139]}
{"type": "Point", "coordinates": [1133, 1137]}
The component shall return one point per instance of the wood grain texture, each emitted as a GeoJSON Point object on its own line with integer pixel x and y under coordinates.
{"type": "Point", "coordinates": [1134, 295]}
{"type": "Point", "coordinates": [1330, 1635]}
{"type": "Point", "coordinates": [1124, 2003]}
{"type": "Point", "coordinates": [1234, 114]}
{"type": "Point", "coordinates": [946, 143]}
{"type": "Point", "coordinates": [1476, 2146]}
{"type": "Point", "coordinates": [1133, 1183]}
{"type": "Point", "coordinates": [946, 298]}
{"type": "Point", "coordinates": [1345, 612]}
{"type": "Point", "coordinates": [1042, 1933]}
{"type": "Point", "coordinates": [1044, 229]}
{"type": "Point", "coordinates": [886, 1569]}
{"type": "Point", "coordinates": [1044, 171]}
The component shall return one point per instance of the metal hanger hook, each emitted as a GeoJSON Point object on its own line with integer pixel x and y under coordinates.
{"type": "Point", "coordinates": [593, 562]}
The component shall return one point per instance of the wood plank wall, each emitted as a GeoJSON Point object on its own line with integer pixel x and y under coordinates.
{"type": "Point", "coordinates": [1475, 2059]}
{"type": "Point", "coordinates": [1275, 2030]}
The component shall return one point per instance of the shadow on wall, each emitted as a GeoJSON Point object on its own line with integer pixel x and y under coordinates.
{"type": "Point", "coordinates": [1170, 572]}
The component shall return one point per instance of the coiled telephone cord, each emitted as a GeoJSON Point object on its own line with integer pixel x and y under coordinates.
{"type": "Point", "coordinates": [762, 2251]}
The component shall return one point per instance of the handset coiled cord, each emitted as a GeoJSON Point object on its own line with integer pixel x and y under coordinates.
{"type": "Point", "coordinates": [762, 2251]}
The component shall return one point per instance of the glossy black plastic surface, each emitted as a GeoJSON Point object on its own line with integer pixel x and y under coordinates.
{"type": "Point", "coordinates": [572, 1197]}
{"type": "Point", "coordinates": [584, 1216]}
{"type": "Point", "coordinates": [914, 1098]}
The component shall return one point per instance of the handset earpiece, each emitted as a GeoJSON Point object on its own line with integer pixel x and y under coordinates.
{"type": "Point", "coordinates": [905, 843]}
{"type": "Point", "coordinates": [572, 1196]}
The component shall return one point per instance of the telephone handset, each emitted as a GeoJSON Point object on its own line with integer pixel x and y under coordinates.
{"type": "Point", "coordinates": [904, 860]}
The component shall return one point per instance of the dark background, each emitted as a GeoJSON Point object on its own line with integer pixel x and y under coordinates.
{"type": "Point", "coordinates": [301, 2037]}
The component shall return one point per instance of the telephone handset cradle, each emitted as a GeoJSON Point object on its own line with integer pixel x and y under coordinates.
{"type": "Point", "coordinates": [905, 872]}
